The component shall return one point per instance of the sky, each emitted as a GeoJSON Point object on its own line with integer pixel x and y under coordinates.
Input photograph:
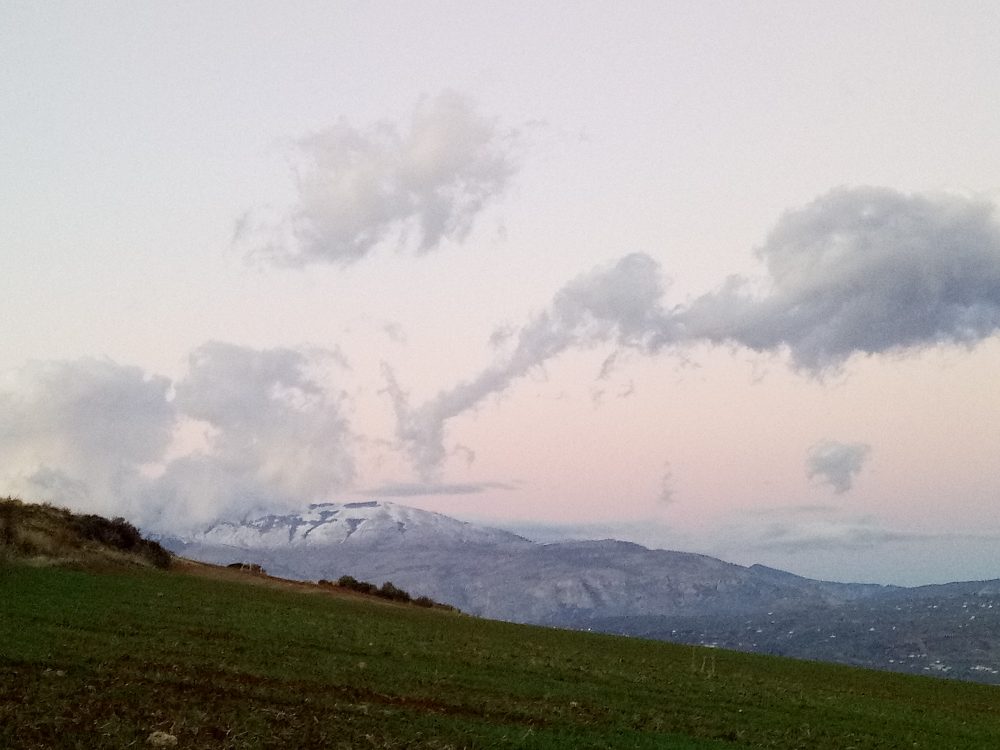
{"type": "Point", "coordinates": [710, 276]}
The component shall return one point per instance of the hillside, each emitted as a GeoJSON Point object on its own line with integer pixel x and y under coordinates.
{"type": "Point", "coordinates": [105, 660]}
{"type": "Point", "coordinates": [46, 534]}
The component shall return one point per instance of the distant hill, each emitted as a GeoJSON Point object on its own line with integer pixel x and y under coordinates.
{"type": "Point", "coordinates": [624, 588]}
{"type": "Point", "coordinates": [44, 533]}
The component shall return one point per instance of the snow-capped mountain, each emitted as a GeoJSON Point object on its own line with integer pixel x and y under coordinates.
{"type": "Point", "coordinates": [496, 573]}
{"type": "Point", "coordinates": [367, 523]}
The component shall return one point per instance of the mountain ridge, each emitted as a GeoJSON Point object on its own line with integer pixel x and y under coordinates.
{"type": "Point", "coordinates": [499, 574]}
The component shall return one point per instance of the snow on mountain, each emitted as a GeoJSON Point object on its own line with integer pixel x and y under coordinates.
{"type": "Point", "coordinates": [496, 573]}
{"type": "Point", "coordinates": [366, 523]}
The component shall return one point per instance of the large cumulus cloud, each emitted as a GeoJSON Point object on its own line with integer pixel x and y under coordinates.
{"type": "Point", "coordinates": [359, 187]}
{"type": "Point", "coordinates": [862, 271]}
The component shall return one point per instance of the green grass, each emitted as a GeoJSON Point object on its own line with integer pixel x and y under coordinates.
{"type": "Point", "coordinates": [101, 660]}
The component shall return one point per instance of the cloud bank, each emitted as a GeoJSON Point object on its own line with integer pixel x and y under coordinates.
{"type": "Point", "coordinates": [98, 435]}
{"type": "Point", "coordinates": [359, 187]}
{"type": "Point", "coordinates": [81, 430]}
{"type": "Point", "coordinates": [858, 533]}
{"type": "Point", "coordinates": [837, 464]}
{"type": "Point", "coordinates": [859, 271]}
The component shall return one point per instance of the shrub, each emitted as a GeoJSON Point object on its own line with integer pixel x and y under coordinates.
{"type": "Point", "coordinates": [120, 534]}
{"type": "Point", "coordinates": [117, 532]}
{"type": "Point", "coordinates": [7, 535]}
{"type": "Point", "coordinates": [352, 583]}
{"type": "Point", "coordinates": [155, 553]}
{"type": "Point", "coordinates": [388, 591]}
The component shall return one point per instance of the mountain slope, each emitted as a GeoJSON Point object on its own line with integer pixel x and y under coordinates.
{"type": "Point", "coordinates": [378, 523]}
{"type": "Point", "coordinates": [501, 575]}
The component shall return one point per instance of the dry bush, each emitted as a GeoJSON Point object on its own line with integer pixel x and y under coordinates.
{"type": "Point", "coordinates": [43, 530]}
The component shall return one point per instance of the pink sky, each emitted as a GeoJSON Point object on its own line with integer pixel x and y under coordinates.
{"type": "Point", "coordinates": [711, 278]}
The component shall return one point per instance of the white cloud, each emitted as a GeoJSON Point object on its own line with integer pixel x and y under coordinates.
{"type": "Point", "coordinates": [87, 434]}
{"type": "Point", "coordinates": [358, 188]}
{"type": "Point", "coordinates": [277, 433]}
{"type": "Point", "coordinates": [81, 430]}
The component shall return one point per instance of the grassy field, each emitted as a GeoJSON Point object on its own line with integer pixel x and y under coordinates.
{"type": "Point", "coordinates": [101, 660]}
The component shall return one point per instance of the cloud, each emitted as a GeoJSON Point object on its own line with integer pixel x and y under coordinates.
{"type": "Point", "coordinates": [667, 494]}
{"type": "Point", "coordinates": [100, 437]}
{"type": "Point", "coordinates": [81, 430]}
{"type": "Point", "coordinates": [619, 303]}
{"type": "Point", "coordinates": [857, 271]}
{"type": "Point", "coordinates": [862, 533]}
{"type": "Point", "coordinates": [837, 464]}
{"type": "Point", "coordinates": [277, 435]}
{"type": "Point", "coordinates": [420, 489]}
{"type": "Point", "coordinates": [395, 332]}
{"type": "Point", "coordinates": [861, 271]}
{"type": "Point", "coordinates": [357, 188]}
{"type": "Point", "coordinates": [808, 529]}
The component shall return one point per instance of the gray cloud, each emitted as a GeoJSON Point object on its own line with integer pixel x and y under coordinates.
{"type": "Point", "coordinates": [395, 332]}
{"type": "Point", "coordinates": [862, 271]}
{"type": "Point", "coordinates": [667, 494]}
{"type": "Point", "coordinates": [81, 430]}
{"type": "Point", "coordinates": [420, 489]}
{"type": "Point", "coordinates": [858, 271]}
{"type": "Point", "coordinates": [837, 464]}
{"type": "Point", "coordinates": [619, 304]}
{"type": "Point", "coordinates": [359, 187]}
